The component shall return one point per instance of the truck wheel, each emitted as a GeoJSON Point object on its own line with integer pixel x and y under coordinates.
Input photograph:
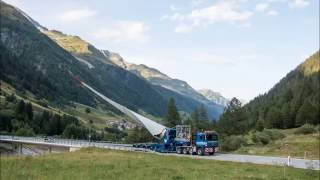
{"type": "Point", "coordinates": [179, 151]}
{"type": "Point", "coordinates": [200, 151]}
{"type": "Point", "coordinates": [212, 153]}
{"type": "Point", "coordinates": [185, 151]}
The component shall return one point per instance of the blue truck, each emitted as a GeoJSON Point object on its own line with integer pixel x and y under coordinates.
{"type": "Point", "coordinates": [181, 140]}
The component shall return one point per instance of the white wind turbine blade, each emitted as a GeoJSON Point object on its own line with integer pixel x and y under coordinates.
{"type": "Point", "coordinates": [157, 130]}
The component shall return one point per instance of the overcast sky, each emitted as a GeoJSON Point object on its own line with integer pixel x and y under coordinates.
{"type": "Point", "coordinates": [239, 48]}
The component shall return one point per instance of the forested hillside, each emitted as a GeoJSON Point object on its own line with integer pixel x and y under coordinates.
{"type": "Point", "coordinates": [292, 102]}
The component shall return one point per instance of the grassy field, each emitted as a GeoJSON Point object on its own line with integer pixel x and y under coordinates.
{"type": "Point", "coordinates": [99, 117]}
{"type": "Point", "coordinates": [109, 164]}
{"type": "Point", "coordinates": [295, 145]}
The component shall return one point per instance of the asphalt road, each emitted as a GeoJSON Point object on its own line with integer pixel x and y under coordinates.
{"type": "Point", "coordinates": [269, 160]}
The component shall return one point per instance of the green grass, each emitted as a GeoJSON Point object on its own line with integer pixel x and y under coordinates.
{"type": "Point", "coordinates": [295, 145]}
{"type": "Point", "coordinates": [109, 164]}
{"type": "Point", "coordinates": [99, 117]}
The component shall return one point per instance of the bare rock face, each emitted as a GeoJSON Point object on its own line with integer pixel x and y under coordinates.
{"type": "Point", "coordinates": [214, 97]}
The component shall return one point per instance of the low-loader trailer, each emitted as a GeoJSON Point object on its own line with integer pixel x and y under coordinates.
{"type": "Point", "coordinates": [182, 140]}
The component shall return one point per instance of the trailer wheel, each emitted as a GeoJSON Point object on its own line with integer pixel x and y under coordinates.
{"type": "Point", "coordinates": [191, 151]}
{"type": "Point", "coordinates": [200, 151]}
{"type": "Point", "coordinates": [212, 153]}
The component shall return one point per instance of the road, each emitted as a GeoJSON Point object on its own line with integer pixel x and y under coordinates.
{"type": "Point", "coordinates": [269, 160]}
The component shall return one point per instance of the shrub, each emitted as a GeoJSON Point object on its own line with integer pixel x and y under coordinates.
{"type": "Point", "coordinates": [24, 132]}
{"type": "Point", "coordinates": [261, 138]}
{"type": "Point", "coordinates": [306, 129]}
{"type": "Point", "coordinates": [232, 143]}
{"type": "Point", "coordinates": [274, 134]}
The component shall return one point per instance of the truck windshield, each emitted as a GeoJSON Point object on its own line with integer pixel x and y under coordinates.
{"type": "Point", "coordinates": [211, 137]}
{"type": "Point", "coordinates": [172, 134]}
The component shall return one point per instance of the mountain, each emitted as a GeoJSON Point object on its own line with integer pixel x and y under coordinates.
{"type": "Point", "coordinates": [214, 97]}
{"type": "Point", "coordinates": [158, 78]}
{"type": "Point", "coordinates": [292, 102]}
{"type": "Point", "coordinates": [43, 63]}
{"type": "Point", "coordinates": [88, 54]}
{"type": "Point", "coordinates": [36, 64]}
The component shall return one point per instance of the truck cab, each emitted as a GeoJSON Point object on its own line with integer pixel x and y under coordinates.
{"type": "Point", "coordinates": [205, 142]}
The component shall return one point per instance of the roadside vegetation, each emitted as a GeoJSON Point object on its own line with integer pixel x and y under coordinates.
{"type": "Point", "coordinates": [109, 164]}
{"type": "Point", "coordinates": [267, 138]}
{"type": "Point", "coordinates": [290, 142]}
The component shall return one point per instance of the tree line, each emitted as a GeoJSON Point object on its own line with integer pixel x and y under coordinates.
{"type": "Point", "coordinates": [198, 119]}
{"type": "Point", "coordinates": [22, 120]}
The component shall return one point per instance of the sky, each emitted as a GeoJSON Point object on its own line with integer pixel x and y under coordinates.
{"type": "Point", "coordinates": [240, 48]}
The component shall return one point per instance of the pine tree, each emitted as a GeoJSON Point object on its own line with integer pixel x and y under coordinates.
{"type": "Point", "coordinates": [195, 120]}
{"type": "Point", "coordinates": [234, 120]}
{"type": "Point", "coordinates": [287, 119]}
{"type": "Point", "coordinates": [203, 115]}
{"type": "Point", "coordinates": [20, 108]}
{"type": "Point", "coordinates": [44, 123]}
{"type": "Point", "coordinates": [273, 118]}
{"type": "Point", "coordinates": [307, 114]}
{"type": "Point", "coordinates": [172, 117]}
{"type": "Point", "coordinates": [29, 111]}
{"type": "Point", "coordinates": [260, 124]}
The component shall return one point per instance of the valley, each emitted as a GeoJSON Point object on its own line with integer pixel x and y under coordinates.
{"type": "Point", "coordinates": [56, 86]}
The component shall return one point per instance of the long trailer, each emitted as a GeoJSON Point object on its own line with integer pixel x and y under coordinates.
{"type": "Point", "coordinates": [182, 140]}
{"type": "Point", "coordinates": [179, 139]}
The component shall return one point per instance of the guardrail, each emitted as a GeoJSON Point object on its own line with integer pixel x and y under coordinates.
{"type": "Point", "coordinates": [69, 142]}
{"type": "Point", "coordinates": [59, 141]}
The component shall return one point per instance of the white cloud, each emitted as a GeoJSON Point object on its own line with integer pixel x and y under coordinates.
{"type": "Point", "coordinates": [164, 17]}
{"type": "Point", "coordinates": [235, 12]}
{"type": "Point", "coordinates": [183, 28]}
{"type": "Point", "coordinates": [124, 32]}
{"type": "Point", "coordinates": [173, 8]}
{"type": "Point", "coordinates": [177, 16]}
{"type": "Point", "coordinates": [77, 14]}
{"type": "Point", "coordinates": [223, 11]}
{"type": "Point", "coordinates": [195, 3]}
{"type": "Point", "coordinates": [299, 3]}
{"type": "Point", "coordinates": [272, 13]}
{"type": "Point", "coordinates": [245, 25]}
{"type": "Point", "coordinates": [261, 7]}
{"type": "Point", "coordinates": [220, 12]}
